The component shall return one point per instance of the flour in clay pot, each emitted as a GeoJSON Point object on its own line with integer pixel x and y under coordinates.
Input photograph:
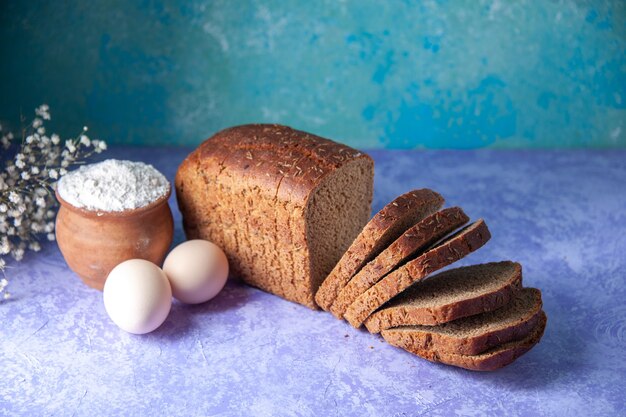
{"type": "Point", "coordinates": [113, 185]}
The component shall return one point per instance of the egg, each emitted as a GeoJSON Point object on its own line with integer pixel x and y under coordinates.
{"type": "Point", "coordinates": [137, 296]}
{"type": "Point", "coordinates": [197, 270]}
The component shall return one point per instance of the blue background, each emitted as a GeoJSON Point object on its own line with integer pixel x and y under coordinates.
{"type": "Point", "coordinates": [428, 74]}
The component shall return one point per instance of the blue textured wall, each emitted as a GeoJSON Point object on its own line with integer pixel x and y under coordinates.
{"type": "Point", "coordinates": [433, 74]}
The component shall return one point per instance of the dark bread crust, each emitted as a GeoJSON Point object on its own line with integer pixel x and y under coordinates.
{"type": "Point", "coordinates": [418, 237]}
{"type": "Point", "coordinates": [382, 229]}
{"type": "Point", "coordinates": [400, 311]}
{"type": "Point", "coordinates": [429, 338]}
{"type": "Point", "coordinates": [490, 360]}
{"type": "Point", "coordinates": [275, 169]}
{"type": "Point", "coordinates": [441, 255]}
{"type": "Point", "coordinates": [248, 189]}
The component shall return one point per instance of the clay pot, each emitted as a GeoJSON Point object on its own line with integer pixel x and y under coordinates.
{"type": "Point", "coordinates": [94, 242]}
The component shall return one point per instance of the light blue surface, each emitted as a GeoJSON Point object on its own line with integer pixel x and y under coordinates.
{"type": "Point", "coordinates": [249, 353]}
{"type": "Point", "coordinates": [396, 74]}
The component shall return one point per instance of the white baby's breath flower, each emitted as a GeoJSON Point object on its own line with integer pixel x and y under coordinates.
{"type": "Point", "coordinates": [84, 139]}
{"type": "Point", "coordinates": [53, 174]}
{"type": "Point", "coordinates": [102, 145]}
{"type": "Point", "coordinates": [25, 175]}
{"type": "Point", "coordinates": [3, 208]}
{"type": "Point", "coordinates": [70, 146]}
{"type": "Point", "coordinates": [50, 237]}
{"type": "Point", "coordinates": [20, 164]}
{"type": "Point", "coordinates": [34, 246]}
{"type": "Point", "coordinates": [18, 254]}
{"type": "Point", "coordinates": [37, 122]}
{"type": "Point", "coordinates": [55, 139]}
{"type": "Point", "coordinates": [62, 171]}
{"type": "Point", "coordinates": [14, 197]}
{"type": "Point", "coordinates": [5, 248]}
{"type": "Point", "coordinates": [43, 111]}
{"type": "Point", "coordinates": [41, 130]}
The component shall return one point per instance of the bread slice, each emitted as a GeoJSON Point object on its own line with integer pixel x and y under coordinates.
{"type": "Point", "coordinates": [283, 204]}
{"type": "Point", "coordinates": [475, 334]}
{"type": "Point", "coordinates": [416, 238]}
{"type": "Point", "coordinates": [451, 295]}
{"type": "Point", "coordinates": [490, 360]}
{"type": "Point", "coordinates": [441, 255]}
{"type": "Point", "coordinates": [378, 233]}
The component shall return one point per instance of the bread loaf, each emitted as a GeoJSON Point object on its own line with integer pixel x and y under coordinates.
{"type": "Point", "coordinates": [284, 205]}
{"type": "Point", "coordinates": [291, 210]}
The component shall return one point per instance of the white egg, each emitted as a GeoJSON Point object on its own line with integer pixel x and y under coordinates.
{"type": "Point", "coordinates": [137, 296]}
{"type": "Point", "coordinates": [197, 270]}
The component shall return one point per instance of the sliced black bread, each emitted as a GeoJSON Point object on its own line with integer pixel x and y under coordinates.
{"type": "Point", "coordinates": [450, 295]}
{"type": "Point", "coordinates": [385, 227]}
{"type": "Point", "coordinates": [415, 239]}
{"type": "Point", "coordinates": [475, 334]}
{"type": "Point", "coordinates": [490, 360]}
{"type": "Point", "coordinates": [441, 255]}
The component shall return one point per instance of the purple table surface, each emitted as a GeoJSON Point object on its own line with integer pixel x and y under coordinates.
{"type": "Point", "coordinates": [560, 213]}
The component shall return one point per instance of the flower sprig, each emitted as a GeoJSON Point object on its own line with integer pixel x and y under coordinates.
{"type": "Point", "coordinates": [27, 202]}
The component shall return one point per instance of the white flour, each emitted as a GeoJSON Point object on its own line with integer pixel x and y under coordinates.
{"type": "Point", "coordinates": [113, 185]}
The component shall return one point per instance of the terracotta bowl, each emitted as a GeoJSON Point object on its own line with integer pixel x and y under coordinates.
{"type": "Point", "coordinates": [95, 242]}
